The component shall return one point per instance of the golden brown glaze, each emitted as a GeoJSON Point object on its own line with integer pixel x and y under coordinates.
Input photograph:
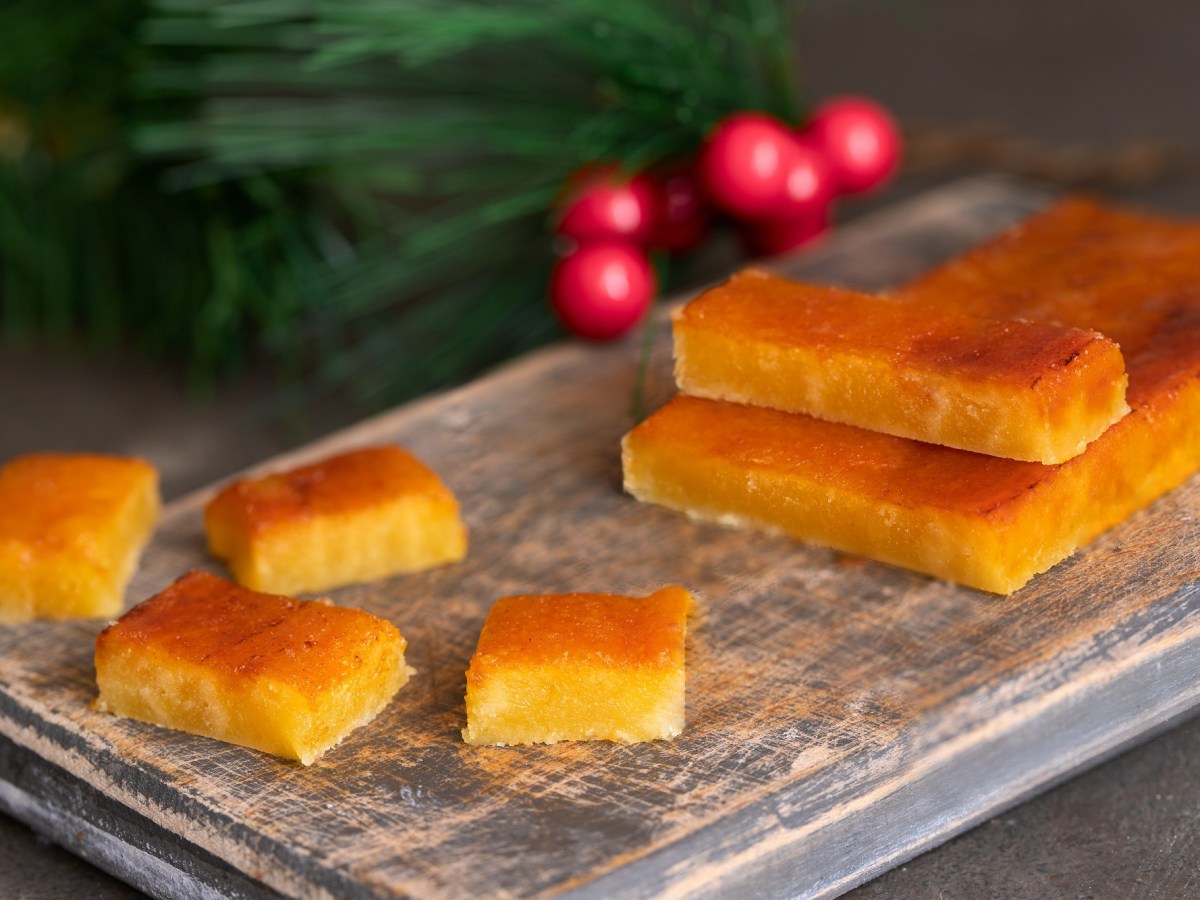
{"type": "Point", "coordinates": [583, 629]}
{"type": "Point", "coordinates": [72, 527]}
{"type": "Point", "coordinates": [346, 483]}
{"type": "Point", "coordinates": [900, 471]}
{"type": "Point", "coordinates": [756, 306]}
{"type": "Point", "coordinates": [1134, 277]}
{"type": "Point", "coordinates": [1080, 264]}
{"type": "Point", "coordinates": [54, 501]}
{"type": "Point", "coordinates": [243, 635]}
{"type": "Point", "coordinates": [1015, 389]}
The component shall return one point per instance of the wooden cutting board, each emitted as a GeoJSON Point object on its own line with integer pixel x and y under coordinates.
{"type": "Point", "coordinates": [843, 715]}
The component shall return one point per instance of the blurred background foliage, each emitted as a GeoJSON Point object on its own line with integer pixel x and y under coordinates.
{"type": "Point", "coordinates": [357, 191]}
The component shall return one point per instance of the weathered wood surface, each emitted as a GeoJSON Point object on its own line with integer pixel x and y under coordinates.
{"type": "Point", "coordinates": [842, 715]}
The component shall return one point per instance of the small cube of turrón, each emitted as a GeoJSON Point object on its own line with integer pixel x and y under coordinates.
{"type": "Point", "coordinates": [72, 527]}
{"type": "Point", "coordinates": [357, 516]}
{"type": "Point", "coordinates": [288, 677]}
{"type": "Point", "coordinates": [1034, 391]}
{"type": "Point", "coordinates": [577, 667]}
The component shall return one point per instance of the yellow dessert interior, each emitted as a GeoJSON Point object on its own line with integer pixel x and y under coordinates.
{"type": "Point", "coordinates": [986, 522]}
{"type": "Point", "coordinates": [560, 667]}
{"type": "Point", "coordinates": [358, 516]}
{"type": "Point", "coordinates": [72, 527]}
{"type": "Point", "coordinates": [285, 676]}
{"type": "Point", "coordinates": [1023, 390]}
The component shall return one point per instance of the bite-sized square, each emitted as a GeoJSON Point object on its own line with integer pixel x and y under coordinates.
{"type": "Point", "coordinates": [72, 527]}
{"type": "Point", "coordinates": [578, 667]}
{"type": "Point", "coordinates": [983, 521]}
{"type": "Point", "coordinates": [285, 676]}
{"type": "Point", "coordinates": [1004, 387]}
{"type": "Point", "coordinates": [358, 516]}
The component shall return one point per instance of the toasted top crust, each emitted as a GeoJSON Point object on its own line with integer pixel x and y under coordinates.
{"type": "Point", "coordinates": [907, 473]}
{"type": "Point", "coordinates": [756, 306]}
{"type": "Point", "coordinates": [583, 629]}
{"type": "Point", "coordinates": [1134, 278]}
{"type": "Point", "coordinates": [341, 484]}
{"type": "Point", "coordinates": [244, 635]}
{"type": "Point", "coordinates": [52, 501]}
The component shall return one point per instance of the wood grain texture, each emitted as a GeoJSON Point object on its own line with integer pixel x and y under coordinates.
{"type": "Point", "coordinates": [843, 715]}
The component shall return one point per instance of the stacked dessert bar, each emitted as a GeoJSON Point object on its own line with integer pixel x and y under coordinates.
{"type": "Point", "coordinates": [974, 425]}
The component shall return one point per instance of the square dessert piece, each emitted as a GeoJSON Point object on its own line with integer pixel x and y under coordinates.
{"type": "Point", "coordinates": [355, 517]}
{"type": "Point", "coordinates": [285, 676]}
{"type": "Point", "coordinates": [1022, 390]}
{"type": "Point", "coordinates": [72, 527]}
{"type": "Point", "coordinates": [986, 522]}
{"type": "Point", "coordinates": [579, 667]}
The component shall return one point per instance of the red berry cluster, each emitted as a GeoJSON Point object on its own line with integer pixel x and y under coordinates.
{"type": "Point", "coordinates": [611, 219]}
{"type": "Point", "coordinates": [778, 183]}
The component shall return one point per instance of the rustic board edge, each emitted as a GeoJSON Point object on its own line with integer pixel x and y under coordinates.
{"type": "Point", "coordinates": [111, 836]}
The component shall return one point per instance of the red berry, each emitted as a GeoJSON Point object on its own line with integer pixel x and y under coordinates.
{"type": "Point", "coordinates": [603, 204]}
{"type": "Point", "coordinates": [810, 186]}
{"type": "Point", "coordinates": [601, 290]}
{"type": "Point", "coordinates": [770, 238]}
{"type": "Point", "coordinates": [684, 218]}
{"type": "Point", "coordinates": [859, 140]}
{"type": "Point", "coordinates": [744, 164]}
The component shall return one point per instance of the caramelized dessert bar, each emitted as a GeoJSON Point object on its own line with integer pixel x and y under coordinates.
{"type": "Point", "coordinates": [71, 530]}
{"type": "Point", "coordinates": [986, 522]}
{"type": "Point", "coordinates": [577, 667]}
{"type": "Point", "coordinates": [1022, 390]}
{"type": "Point", "coordinates": [355, 517]}
{"type": "Point", "coordinates": [288, 677]}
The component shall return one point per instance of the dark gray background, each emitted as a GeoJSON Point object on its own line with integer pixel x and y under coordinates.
{"type": "Point", "coordinates": [1045, 87]}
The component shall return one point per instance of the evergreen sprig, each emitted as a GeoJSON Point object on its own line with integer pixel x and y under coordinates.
{"type": "Point", "coordinates": [362, 188]}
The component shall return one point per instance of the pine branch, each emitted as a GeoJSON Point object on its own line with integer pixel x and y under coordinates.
{"type": "Point", "coordinates": [359, 188]}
